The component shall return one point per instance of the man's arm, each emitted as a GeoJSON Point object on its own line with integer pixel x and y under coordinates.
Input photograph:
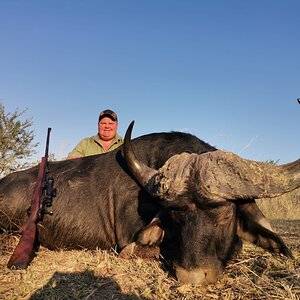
{"type": "Point", "coordinates": [73, 157]}
{"type": "Point", "coordinates": [77, 152]}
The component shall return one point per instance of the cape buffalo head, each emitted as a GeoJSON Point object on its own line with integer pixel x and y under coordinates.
{"type": "Point", "coordinates": [208, 206]}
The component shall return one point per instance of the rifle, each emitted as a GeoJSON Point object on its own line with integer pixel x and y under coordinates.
{"type": "Point", "coordinates": [40, 201]}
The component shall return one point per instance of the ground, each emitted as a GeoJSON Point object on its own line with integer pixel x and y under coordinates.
{"type": "Point", "coordinates": [254, 274]}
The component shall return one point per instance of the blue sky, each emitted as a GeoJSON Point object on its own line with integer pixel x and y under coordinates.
{"type": "Point", "coordinates": [226, 71]}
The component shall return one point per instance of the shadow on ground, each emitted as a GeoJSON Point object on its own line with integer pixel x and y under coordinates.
{"type": "Point", "coordinates": [81, 285]}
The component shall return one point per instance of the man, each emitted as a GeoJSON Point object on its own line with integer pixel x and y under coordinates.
{"type": "Point", "coordinates": [106, 140]}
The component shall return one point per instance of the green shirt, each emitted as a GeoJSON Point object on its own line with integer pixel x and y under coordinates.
{"type": "Point", "coordinates": [92, 146]}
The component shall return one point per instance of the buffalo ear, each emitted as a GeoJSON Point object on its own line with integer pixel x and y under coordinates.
{"type": "Point", "coordinates": [254, 227]}
{"type": "Point", "coordinates": [146, 243]}
{"type": "Point", "coordinates": [152, 234]}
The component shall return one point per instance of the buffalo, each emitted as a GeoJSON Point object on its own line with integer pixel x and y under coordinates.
{"type": "Point", "coordinates": [169, 191]}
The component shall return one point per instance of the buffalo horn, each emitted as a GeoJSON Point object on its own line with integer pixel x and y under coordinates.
{"type": "Point", "coordinates": [219, 175]}
{"type": "Point", "coordinates": [226, 176]}
{"type": "Point", "coordinates": [141, 172]}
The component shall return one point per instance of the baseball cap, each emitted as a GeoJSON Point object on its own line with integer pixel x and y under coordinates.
{"type": "Point", "coordinates": [108, 113]}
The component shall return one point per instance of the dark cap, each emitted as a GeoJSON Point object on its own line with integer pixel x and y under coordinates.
{"type": "Point", "coordinates": [108, 113]}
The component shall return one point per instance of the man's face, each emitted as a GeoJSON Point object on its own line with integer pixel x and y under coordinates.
{"type": "Point", "coordinates": [107, 129]}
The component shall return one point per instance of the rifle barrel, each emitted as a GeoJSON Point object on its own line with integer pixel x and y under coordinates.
{"type": "Point", "coordinates": [25, 250]}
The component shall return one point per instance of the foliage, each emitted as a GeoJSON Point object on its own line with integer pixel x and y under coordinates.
{"type": "Point", "coordinates": [15, 141]}
{"type": "Point", "coordinates": [272, 162]}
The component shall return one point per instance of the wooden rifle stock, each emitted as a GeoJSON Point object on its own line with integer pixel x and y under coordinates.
{"type": "Point", "coordinates": [25, 250]}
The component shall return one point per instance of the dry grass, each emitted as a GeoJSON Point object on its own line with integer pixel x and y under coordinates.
{"type": "Point", "coordinates": [286, 207]}
{"type": "Point", "coordinates": [255, 274]}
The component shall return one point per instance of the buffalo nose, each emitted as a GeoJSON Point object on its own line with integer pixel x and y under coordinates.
{"type": "Point", "coordinates": [203, 276]}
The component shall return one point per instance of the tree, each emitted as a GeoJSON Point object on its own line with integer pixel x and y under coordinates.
{"type": "Point", "coordinates": [16, 141]}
